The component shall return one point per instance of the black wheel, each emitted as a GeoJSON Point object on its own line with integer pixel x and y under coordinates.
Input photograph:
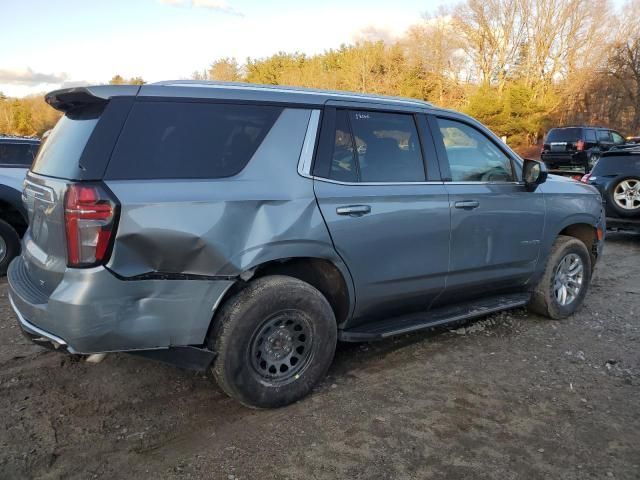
{"type": "Point", "coordinates": [623, 196]}
{"type": "Point", "coordinates": [565, 281]}
{"type": "Point", "coordinates": [274, 342]}
{"type": "Point", "coordinates": [9, 245]}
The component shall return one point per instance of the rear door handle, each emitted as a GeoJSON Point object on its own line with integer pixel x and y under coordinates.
{"type": "Point", "coordinates": [467, 204]}
{"type": "Point", "coordinates": [353, 210]}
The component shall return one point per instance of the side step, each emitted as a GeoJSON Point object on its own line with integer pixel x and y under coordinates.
{"type": "Point", "coordinates": [440, 316]}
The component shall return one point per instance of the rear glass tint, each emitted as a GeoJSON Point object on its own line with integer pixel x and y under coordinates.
{"type": "Point", "coordinates": [189, 140]}
{"type": "Point", "coordinates": [61, 150]}
{"type": "Point", "coordinates": [564, 135]}
{"type": "Point", "coordinates": [17, 154]}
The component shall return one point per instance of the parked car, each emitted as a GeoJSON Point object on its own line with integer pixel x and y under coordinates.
{"type": "Point", "coordinates": [16, 156]}
{"type": "Point", "coordinates": [617, 177]}
{"type": "Point", "coordinates": [248, 228]}
{"type": "Point", "coordinates": [568, 147]}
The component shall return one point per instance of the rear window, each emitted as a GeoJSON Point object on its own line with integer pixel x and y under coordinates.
{"type": "Point", "coordinates": [189, 140]}
{"type": "Point", "coordinates": [60, 153]}
{"type": "Point", "coordinates": [17, 154]}
{"type": "Point", "coordinates": [564, 135]}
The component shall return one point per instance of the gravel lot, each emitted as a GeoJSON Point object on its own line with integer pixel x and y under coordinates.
{"type": "Point", "coordinates": [509, 396]}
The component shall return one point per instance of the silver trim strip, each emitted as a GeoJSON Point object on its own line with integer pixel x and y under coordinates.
{"type": "Point", "coordinates": [30, 327]}
{"type": "Point", "coordinates": [306, 155]}
{"type": "Point", "coordinates": [372, 184]}
{"type": "Point", "coordinates": [267, 88]}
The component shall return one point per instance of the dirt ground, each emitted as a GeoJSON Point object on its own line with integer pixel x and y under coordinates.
{"type": "Point", "coordinates": [509, 396]}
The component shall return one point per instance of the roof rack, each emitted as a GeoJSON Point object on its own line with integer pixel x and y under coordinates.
{"type": "Point", "coordinates": [289, 89]}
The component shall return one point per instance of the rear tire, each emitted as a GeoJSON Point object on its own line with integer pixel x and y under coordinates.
{"type": "Point", "coordinates": [274, 340]}
{"type": "Point", "coordinates": [547, 298]}
{"type": "Point", "coordinates": [9, 245]}
{"type": "Point", "coordinates": [621, 205]}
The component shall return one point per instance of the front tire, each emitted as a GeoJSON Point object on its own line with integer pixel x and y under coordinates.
{"type": "Point", "coordinates": [565, 281]}
{"type": "Point", "coordinates": [274, 340]}
{"type": "Point", "coordinates": [9, 245]}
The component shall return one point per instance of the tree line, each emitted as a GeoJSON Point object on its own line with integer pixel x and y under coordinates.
{"type": "Point", "coordinates": [518, 66]}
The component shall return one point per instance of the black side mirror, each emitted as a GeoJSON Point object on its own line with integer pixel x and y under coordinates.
{"type": "Point", "coordinates": [533, 173]}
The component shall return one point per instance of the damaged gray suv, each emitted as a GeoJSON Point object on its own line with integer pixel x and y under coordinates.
{"type": "Point", "coordinates": [246, 229]}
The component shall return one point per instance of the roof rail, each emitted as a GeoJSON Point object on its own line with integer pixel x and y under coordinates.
{"type": "Point", "coordinates": [289, 89]}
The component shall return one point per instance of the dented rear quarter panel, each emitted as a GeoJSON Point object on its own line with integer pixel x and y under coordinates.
{"type": "Point", "coordinates": [221, 228]}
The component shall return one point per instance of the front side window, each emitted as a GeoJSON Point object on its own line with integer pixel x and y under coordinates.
{"type": "Point", "coordinates": [386, 147]}
{"type": "Point", "coordinates": [603, 136]}
{"type": "Point", "coordinates": [617, 138]}
{"type": "Point", "coordinates": [472, 156]}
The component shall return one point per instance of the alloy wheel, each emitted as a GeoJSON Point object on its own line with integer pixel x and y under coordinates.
{"type": "Point", "coordinates": [627, 194]}
{"type": "Point", "coordinates": [567, 282]}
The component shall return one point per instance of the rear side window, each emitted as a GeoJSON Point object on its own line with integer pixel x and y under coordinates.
{"type": "Point", "coordinates": [61, 151]}
{"type": "Point", "coordinates": [564, 135]}
{"type": "Point", "coordinates": [189, 140]}
{"type": "Point", "coordinates": [604, 136]}
{"type": "Point", "coordinates": [590, 135]}
{"type": "Point", "coordinates": [17, 154]}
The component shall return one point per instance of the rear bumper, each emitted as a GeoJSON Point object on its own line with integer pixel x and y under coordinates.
{"type": "Point", "coordinates": [92, 311]}
{"type": "Point", "coordinates": [578, 159]}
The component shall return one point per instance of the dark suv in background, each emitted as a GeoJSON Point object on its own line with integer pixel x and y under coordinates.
{"type": "Point", "coordinates": [577, 147]}
{"type": "Point", "coordinates": [16, 156]}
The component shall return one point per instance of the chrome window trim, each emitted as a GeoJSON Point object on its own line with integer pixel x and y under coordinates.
{"type": "Point", "coordinates": [482, 183]}
{"type": "Point", "coordinates": [372, 184]}
{"type": "Point", "coordinates": [308, 145]}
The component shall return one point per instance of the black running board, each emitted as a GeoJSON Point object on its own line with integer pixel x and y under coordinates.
{"type": "Point", "coordinates": [440, 316]}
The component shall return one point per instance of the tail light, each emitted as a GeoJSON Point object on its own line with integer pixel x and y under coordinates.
{"type": "Point", "coordinates": [580, 145]}
{"type": "Point", "coordinates": [585, 178]}
{"type": "Point", "coordinates": [90, 218]}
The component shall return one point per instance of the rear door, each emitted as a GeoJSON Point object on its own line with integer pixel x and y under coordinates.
{"type": "Point", "coordinates": [388, 218]}
{"type": "Point", "coordinates": [496, 224]}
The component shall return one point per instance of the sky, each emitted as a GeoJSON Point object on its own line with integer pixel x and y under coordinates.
{"type": "Point", "coordinates": [46, 44]}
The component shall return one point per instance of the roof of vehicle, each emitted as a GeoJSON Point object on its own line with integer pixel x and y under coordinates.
{"type": "Point", "coordinates": [18, 139]}
{"type": "Point", "coordinates": [581, 126]}
{"type": "Point", "coordinates": [68, 98]}
{"type": "Point", "coordinates": [622, 151]}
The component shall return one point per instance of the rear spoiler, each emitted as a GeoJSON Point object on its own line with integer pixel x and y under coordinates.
{"type": "Point", "coordinates": [67, 99]}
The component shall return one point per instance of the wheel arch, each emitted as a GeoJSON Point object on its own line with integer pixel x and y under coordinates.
{"type": "Point", "coordinates": [587, 233]}
{"type": "Point", "coordinates": [329, 276]}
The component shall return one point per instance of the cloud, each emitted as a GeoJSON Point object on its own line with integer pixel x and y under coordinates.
{"type": "Point", "coordinates": [29, 77]}
{"type": "Point", "coordinates": [217, 5]}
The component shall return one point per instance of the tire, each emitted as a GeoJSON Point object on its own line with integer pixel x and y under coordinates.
{"type": "Point", "coordinates": [9, 245]}
{"type": "Point", "coordinates": [259, 333]}
{"type": "Point", "coordinates": [544, 300]}
{"type": "Point", "coordinates": [619, 186]}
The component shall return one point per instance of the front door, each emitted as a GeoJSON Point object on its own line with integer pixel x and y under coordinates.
{"type": "Point", "coordinates": [389, 223]}
{"type": "Point", "coordinates": [496, 224]}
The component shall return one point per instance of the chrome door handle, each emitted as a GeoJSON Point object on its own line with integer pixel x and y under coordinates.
{"type": "Point", "coordinates": [467, 204]}
{"type": "Point", "coordinates": [353, 210]}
